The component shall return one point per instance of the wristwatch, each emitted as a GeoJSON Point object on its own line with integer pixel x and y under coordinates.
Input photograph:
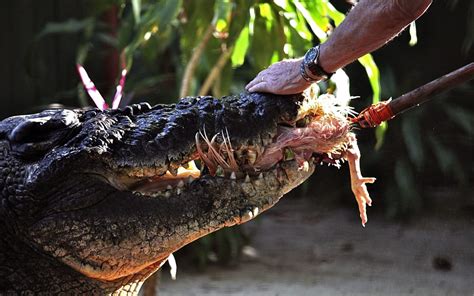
{"type": "Point", "coordinates": [310, 69]}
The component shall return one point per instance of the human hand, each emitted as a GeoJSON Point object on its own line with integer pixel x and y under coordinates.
{"type": "Point", "coordinates": [281, 78]}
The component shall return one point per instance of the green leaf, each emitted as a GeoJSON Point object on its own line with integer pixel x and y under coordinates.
{"type": "Point", "coordinates": [162, 13]}
{"type": "Point", "coordinates": [406, 183]}
{"type": "Point", "coordinates": [266, 13]}
{"type": "Point", "coordinates": [222, 15]}
{"type": "Point", "coordinates": [318, 11]}
{"type": "Point", "coordinates": [463, 118]}
{"type": "Point", "coordinates": [293, 21]}
{"type": "Point", "coordinates": [70, 26]}
{"type": "Point", "coordinates": [137, 7]}
{"type": "Point", "coordinates": [367, 61]}
{"type": "Point", "coordinates": [411, 135]}
{"type": "Point", "coordinates": [199, 17]}
{"type": "Point", "coordinates": [240, 20]}
{"type": "Point", "coordinates": [158, 17]}
{"type": "Point", "coordinates": [380, 135]}
{"type": "Point", "coordinates": [263, 42]}
{"type": "Point", "coordinates": [241, 47]}
{"type": "Point", "coordinates": [334, 14]}
{"type": "Point", "coordinates": [322, 36]}
{"type": "Point", "coordinates": [373, 73]}
{"type": "Point", "coordinates": [446, 158]}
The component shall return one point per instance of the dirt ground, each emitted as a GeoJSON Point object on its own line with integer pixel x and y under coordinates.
{"type": "Point", "coordinates": [303, 249]}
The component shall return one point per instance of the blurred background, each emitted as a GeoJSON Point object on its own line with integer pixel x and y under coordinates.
{"type": "Point", "coordinates": [423, 160]}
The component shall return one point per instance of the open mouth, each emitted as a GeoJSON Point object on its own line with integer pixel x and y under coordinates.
{"type": "Point", "coordinates": [319, 133]}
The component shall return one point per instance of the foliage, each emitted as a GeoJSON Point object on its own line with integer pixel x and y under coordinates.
{"type": "Point", "coordinates": [247, 36]}
{"type": "Point", "coordinates": [421, 145]}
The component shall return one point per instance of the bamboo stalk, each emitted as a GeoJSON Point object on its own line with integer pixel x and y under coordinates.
{"type": "Point", "coordinates": [193, 62]}
{"type": "Point", "coordinates": [216, 71]}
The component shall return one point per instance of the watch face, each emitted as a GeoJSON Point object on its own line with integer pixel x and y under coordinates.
{"type": "Point", "coordinates": [311, 56]}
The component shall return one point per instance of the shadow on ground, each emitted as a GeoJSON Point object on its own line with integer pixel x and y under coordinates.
{"type": "Point", "coordinates": [303, 249]}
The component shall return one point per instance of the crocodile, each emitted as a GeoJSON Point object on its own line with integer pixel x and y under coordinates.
{"type": "Point", "coordinates": [94, 202]}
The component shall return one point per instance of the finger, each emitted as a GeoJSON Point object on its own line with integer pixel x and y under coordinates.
{"type": "Point", "coordinates": [256, 80]}
{"type": "Point", "coordinates": [260, 87]}
{"type": "Point", "coordinates": [252, 83]}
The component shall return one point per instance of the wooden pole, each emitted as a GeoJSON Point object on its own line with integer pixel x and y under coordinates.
{"type": "Point", "coordinates": [426, 92]}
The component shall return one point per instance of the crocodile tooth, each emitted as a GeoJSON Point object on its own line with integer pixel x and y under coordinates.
{"type": "Point", "coordinates": [167, 194]}
{"type": "Point", "coordinates": [247, 216]}
{"type": "Point", "coordinates": [169, 187]}
{"type": "Point", "coordinates": [247, 178]}
{"type": "Point", "coordinates": [255, 212]}
{"type": "Point", "coordinates": [181, 184]}
{"type": "Point", "coordinates": [305, 166]}
{"type": "Point", "coordinates": [233, 176]}
{"type": "Point", "coordinates": [190, 179]}
{"type": "Point", "coordinates": [178, 191]}
{"type": "Point", "coordinates": [260, 176]}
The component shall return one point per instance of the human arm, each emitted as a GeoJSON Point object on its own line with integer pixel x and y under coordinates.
{"type": "Point", "coordinates": [369, 25]}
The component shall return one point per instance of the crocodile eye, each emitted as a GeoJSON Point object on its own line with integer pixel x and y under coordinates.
{"type": "Point", "coordinates": [36, 135]}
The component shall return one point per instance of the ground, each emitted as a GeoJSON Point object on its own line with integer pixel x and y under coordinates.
{"type": "Point", "coordinates": [303, 249]}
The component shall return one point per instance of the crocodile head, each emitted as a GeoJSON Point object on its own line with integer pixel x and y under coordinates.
{"type": "Point", "coordinates": [109, 195]}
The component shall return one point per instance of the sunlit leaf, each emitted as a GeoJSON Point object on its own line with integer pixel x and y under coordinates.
{"type": "Point", "coordinates": [264, 42]}
{"type": "Point", "coordinates": [241, 47]}
{"type": "Point", "coordinates": [309, 19]}
{"type": "Point", "coordinates": [240, 20]}
{"type": "Point", "coordinates": [373, 74]}
{"type": "Point", "coordinates": [266, 13]}
{"type": "Point", "coordinates": [333, 13]}
{"type": "Point", "coordinates": [137, 7]}
{"type": "Point", "coordinates": [380, 135]}
{"type": "Point", "coordinates": [222, 15]}
{"type": "Point", "coordinates": [294, 21]}
{"type": "Point", "coordinates": [282, 3]}
{"type": "Point", "coordinates": [318, 12]}
{"type": "Point", "coordinates": [275, 57]}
